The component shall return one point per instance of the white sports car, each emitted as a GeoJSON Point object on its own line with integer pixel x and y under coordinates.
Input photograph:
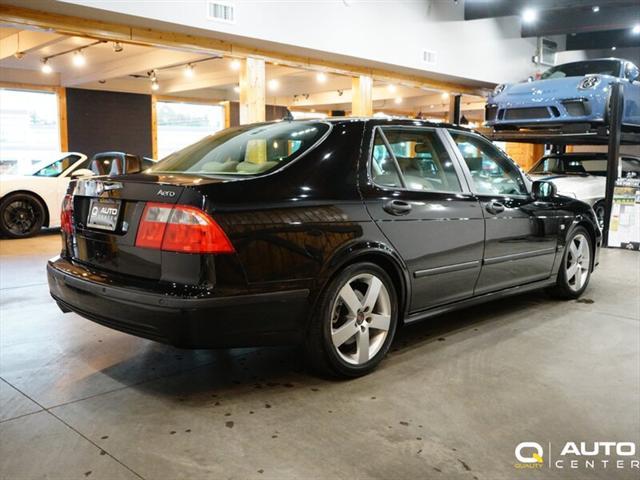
{"type": "Point", "coordinates": [583, 175]}
{"type": "Point", "coordinates": [33, 199]}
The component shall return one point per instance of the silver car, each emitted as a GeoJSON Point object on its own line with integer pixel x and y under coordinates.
{"type": "Point", "coordinates": [583, 175]}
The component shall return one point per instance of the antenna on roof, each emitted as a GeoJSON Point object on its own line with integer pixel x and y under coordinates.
{"type": "Point", "coordinates": [288, 116]}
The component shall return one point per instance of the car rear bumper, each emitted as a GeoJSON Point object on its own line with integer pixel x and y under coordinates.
{"type": "Point", "coordinates": [189, 322]}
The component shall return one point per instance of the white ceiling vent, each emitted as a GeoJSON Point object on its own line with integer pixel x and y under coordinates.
{"type": "Point", "coordinates": [221, 11]}
{"type": "Point", "coordinates": [429, 56]}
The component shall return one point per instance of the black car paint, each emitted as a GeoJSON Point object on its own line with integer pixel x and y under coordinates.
{"type": "Point", "coordinates": [292, 230]}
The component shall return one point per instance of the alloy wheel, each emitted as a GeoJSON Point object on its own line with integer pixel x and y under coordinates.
{"type": "Point", "coordinates": [20, 217]}
{"type": "Point", "coordinates": [360, 318]}
{"type": "Point", "coordinates": [578, 262]}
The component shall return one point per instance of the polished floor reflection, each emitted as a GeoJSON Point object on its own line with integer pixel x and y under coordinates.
{"type": "Point", "coordinates": [452, 400]}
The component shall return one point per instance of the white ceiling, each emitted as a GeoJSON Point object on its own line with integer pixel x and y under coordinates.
{"type": "Point", "coordinates": [214, 78]}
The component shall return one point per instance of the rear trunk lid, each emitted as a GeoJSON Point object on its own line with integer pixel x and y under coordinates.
{"type": "Point", "coordinates": [106, 216]}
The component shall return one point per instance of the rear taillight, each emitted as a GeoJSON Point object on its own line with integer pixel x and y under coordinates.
{"type": "Point", "coordinates": [66, 214]}
{"type": "Point", "coordinates": [180, 228]}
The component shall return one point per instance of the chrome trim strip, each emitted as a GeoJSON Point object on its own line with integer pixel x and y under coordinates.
{"type": "Point", "coordinates": [519, 256]}
{"type": "Point", "coordinates": [446, 269]}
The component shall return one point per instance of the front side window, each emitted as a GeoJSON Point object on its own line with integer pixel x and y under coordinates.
{"type": "Point", "coordinates": [246, 150]}
{"type": "Point", "coordinates": [419, 154]}
{"type": "Point", "coordinates": [56, 168]}
{"type": "Point", "coordinates": [493, 173]}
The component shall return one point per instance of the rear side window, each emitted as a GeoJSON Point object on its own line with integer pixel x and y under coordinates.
{"type": "Point", "coordinates": [417, 161]}
{"type": "Point", "coordinates": [246, 150]}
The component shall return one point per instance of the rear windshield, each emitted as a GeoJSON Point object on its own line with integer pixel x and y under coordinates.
{"type": "Point", "coordinates": [580, 69]}
{"type": "Point", "coordinates": [246, 150]}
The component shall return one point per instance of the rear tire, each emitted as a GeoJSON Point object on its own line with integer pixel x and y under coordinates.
{"type": "Point", "coordinates": [575, 269]}
{"type": "Point", "coordinates": [21, 215]}
{"type": "Point", "coordinates": [354, 323]}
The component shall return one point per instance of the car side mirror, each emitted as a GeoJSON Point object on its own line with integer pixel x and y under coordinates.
{"type": "Point", "coordinates": [82, 172]}
{"type": "Point", "coordinates": [542, 190]}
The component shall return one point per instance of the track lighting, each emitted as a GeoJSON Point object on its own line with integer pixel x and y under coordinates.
{"type": "Point", "coordinates": [235, 65]}
{"type": "Point", "coordinates": [78, 58]}
{"type": "Point", "coordinates": [392, 88]}
{"type": "Point", "coordinates": [398, 100]}
{"type": "Point", "coordinates": [188, 71]}
{"type": "Point", "coordinates": [321, 77]}
{"type": "Point", "coordinates": [236, 89]}
{"type": "Point", "coordinates": [117, 47]}
{"type": "Point", "coordinates": [155, 85]}
{"type": "Point", "coordinates": [46, 68]}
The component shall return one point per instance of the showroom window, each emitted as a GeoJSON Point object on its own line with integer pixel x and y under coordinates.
{"type": "Point", "coordinates": [181, 124]}
{"type": "Point", "coordinates": [29, 128]}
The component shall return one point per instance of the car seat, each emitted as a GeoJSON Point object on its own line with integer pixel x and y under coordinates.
{"type": "Point", "coordinates": [255, 158]}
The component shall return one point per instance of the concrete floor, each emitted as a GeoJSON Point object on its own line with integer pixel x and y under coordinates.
{"type": "Point", "coordinates": [453, 399]}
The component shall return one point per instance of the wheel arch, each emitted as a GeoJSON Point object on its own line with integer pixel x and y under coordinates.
{"type": "Point", "coordinates": [379, 254]}
{"type": "Point", "coordinates": [36, 196]}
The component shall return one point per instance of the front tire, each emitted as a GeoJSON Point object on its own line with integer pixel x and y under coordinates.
{"type": "Point", "coordinates": [354, 323]}
{"type": "Point", "coordinates": [21, 215]}
{"type": "Point", "coordinates": [575, 270]}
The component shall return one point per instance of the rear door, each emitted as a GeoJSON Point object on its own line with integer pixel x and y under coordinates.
{"type": "Point", "coordinates": [414, 190]}
{"type": "Point", "coordinates": [521, 233]}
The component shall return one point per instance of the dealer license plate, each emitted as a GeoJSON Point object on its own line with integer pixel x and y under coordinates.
{"type": "Point", "coordinates": [103, 214]}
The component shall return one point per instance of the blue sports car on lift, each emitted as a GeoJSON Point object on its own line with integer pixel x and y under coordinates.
{"type": "Point", "coordinates": [571, 94]}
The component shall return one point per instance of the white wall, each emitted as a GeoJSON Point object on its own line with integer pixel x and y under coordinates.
{"type": "Point", "coordinates": [387, 31]}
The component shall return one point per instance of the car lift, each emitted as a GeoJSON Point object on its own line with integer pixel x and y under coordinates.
{"type": "Point", "coordinates": [611, 135]}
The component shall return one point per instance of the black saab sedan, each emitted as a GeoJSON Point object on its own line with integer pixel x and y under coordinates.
{"type": "Point", "coordinates": [330, 234]}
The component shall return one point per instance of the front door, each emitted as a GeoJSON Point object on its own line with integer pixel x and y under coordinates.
{"type": "Point", "coordinates": [414, 190]}
{"type": "Point", "coordinates": [521, 233]}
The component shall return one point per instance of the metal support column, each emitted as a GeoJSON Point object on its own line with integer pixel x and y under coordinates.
{"type": "Point", "coordinates": [615, 133]}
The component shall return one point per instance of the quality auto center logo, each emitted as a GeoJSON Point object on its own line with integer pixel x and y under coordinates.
{"type": "Point", "coordinates": [529, 455]}
{"type": "Point", "coordinates": [578, 455]}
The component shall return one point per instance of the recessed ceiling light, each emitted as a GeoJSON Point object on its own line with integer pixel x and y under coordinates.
{"type": "Point", "coordinates": [321, 77]}
{"type": "Point", "coordinates": [236, 89]}
{"type": "Point", "coordinates": [235, 65]}
{"type": "Point", "coordinates": [613, 48]}
{"type": "Point", "coordinates": [273, 84]}
{"type": "Point", "coordinates": [188, 71]}
{"type": "Point", "coordinates": [529, 15]}
{"type": "Point", "coordinates": [391, 87]}
{"type": "Point", "coordinates": [398, 100]}
{"type": "Point", "coordinates": [445, 95]}
{"type": "Point", "coordinates": [636, 29]}
{"type": "Point", "coordinates": [595, 9]}
{"type": "Point", "coordinates": [78, 59]}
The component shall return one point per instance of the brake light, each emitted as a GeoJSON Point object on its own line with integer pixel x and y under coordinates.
{"type": "Point", "coordinates": [181, 228]}
{"type": "Point", "coordinates": [66, 214]}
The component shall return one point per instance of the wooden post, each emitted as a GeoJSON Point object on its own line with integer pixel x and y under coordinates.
{"type": "Point", "coordinates": [61, 93]}
{"type": "Point", "coordinates": [361, 98]}
{"type": "Point", "coordinates": [227, 113]}
{"type": "Point", "coordinates": [154, 127]}
{"type": "Point", "coordinates": [252, 91]}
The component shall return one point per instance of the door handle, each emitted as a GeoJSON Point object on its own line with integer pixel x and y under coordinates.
{"type": "Point", "coordinates": [494, 207]}
{"type": "Point", "coordinates": [396, 207]}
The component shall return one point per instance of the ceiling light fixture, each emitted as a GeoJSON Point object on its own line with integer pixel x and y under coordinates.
{"type": "Point", "coordinates": [529, 15]}
{"type": "Point", "coordinates": [595, 9]}
{"type": "Point", "coordinates": [273, 84]}
{"type": "Point", "coordinates": [155, 85]}
{"type": "Point", "coordinates": [46, 68]}
{"type": "Point", "coordinates": [321, 77]}
{"type": "Point", "coordinates": [78, 59]}
{"type": "Point", "coordinates": [392, 88]}
{"type": "Point", "coordinates": [236, 89]}
{"type": "Point", "coordinates": [636, 29]}
{"type": "Point", "coordinates": [445, 95]}
{"type": "Point", "coordinates": [613, 48]}
{"type": "Point", "coordinates": [188, 71]}
{"type": "Point", "coordinates": [398, 100]}
{"type": "Point", "coordinates": [117, 47]}
{"type": "Point", "coordinates": [235, 65]}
